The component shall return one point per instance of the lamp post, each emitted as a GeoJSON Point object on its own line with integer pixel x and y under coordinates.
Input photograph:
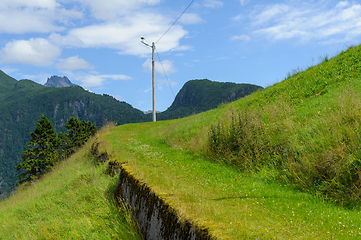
{"type": "Point", "coordinates": [153, 74]}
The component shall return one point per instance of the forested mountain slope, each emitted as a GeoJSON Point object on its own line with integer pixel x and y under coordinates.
{"type": "Point", "coordinates": [22, 104]}
{"type": "Point", "coordinates": [201, 95]}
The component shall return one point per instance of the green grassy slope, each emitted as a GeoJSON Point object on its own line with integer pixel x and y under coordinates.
{"type": "Point", "coordinates": [307, 128]}
{"type": "Point", "coordinates": [231, 204]}
{"type": "Point", "coordinates": [74, 201]}
{"type": "Point", "coordinates": [281, 163]}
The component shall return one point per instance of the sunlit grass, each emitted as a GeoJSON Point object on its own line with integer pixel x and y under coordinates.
{"type": "Point", "coordinates": [231, 204]}
{"type": "Point", "coordinates": [260, 191]}
{"type": "Point", "coordinates": [272, 187]}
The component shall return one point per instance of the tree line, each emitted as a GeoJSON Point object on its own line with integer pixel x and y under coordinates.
{"type": "Point", "coordinates": [46, 147]}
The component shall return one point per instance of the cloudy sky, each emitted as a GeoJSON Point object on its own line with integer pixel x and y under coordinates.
{"type": "Point", "coordinates": [96, 43]}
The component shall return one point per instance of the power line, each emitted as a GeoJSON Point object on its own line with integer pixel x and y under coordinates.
{"type": "Point", "coordinates": [165, 73]}
{"type": "Point", "coordinates": [140, 82]}
{"type": "Point", "coordinates": [174, 22]}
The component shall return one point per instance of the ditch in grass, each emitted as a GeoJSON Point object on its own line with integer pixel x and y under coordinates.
{"type": "Point", "coordinates": [231, 204]}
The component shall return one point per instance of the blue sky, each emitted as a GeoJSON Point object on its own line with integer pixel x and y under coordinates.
{"type": "Point", "coordinates": [96, 43]}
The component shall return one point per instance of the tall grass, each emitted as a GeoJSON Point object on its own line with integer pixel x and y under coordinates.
{"type": "Point", "coordinates": [232, 204]}
{"type": "Point", "coordinates": [73, 201]}
{"type": "Point", "coordinates": [306, 129]}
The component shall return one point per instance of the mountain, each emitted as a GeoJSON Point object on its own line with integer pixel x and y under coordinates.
{"type": "Point", "coordinates": [22, 104]}
{"type": "Point", "coordinates": [6, 83]}
{"type": "Point", "coordinates": [201, 95]}
{"type": "Point", "coordinates": [56, 81]}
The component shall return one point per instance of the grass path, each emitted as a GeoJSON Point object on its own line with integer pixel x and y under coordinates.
{"type": "Point", "coordinates": [232, 205]}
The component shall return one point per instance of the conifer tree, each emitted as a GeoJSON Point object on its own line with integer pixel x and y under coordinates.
{"type": "Point", "coordinates": [43, 151]}
{"type": "Point", "coordinates": [78, 133]}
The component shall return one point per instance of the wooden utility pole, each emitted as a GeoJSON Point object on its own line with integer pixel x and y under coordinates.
{"type": "Point", "coordinates": [153, 75]}
{"type": "Point", "coordinates": [153, 83]}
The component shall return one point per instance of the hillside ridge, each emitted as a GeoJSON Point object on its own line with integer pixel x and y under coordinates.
{"type": "Point", "coordinates": [201, 95]}
{"type": "Point", "coordinates": [24, 101]}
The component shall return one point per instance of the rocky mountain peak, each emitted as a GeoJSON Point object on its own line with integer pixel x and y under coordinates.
{"type": "Point", "coordinates": [56, 81]}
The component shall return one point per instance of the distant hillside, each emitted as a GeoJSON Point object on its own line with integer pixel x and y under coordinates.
{"type": "Point", "coordinates": [201, 95]}
{"type": "Point", "coordinates": [56, 81]}
{"type": "Point", "coordinates": [22, 104]}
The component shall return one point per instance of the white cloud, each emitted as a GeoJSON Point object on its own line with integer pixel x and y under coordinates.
{"type": "Point", "coordinates": [165, 82]}
{"type": "Point", "coordinates": [275, 12]}
{"type": "Point", "coordinates": [342, 4]}
{"type": "Point", "coordinates": [182, 48]}
{"type": "Point", "coordinates": [36, 51]}
{"type": "Point", "coordinates": [11, 4]}
{"type": "Point", "coordinates": [8, 70]}
{"type": "Point", "coordinates": [39, 78]}
{"type": "Point", "coordinates": [242, 37]}
{"type": "Point", "coordinates": [119, 98]}
{"type": "Point", "coordinates": [238, 18]}
{"type": "Point", "coordinates": [96, 80]}
{"type": "Point", "coordinates": [25, 21]}
{"type": "Point", "coordinates": [166, 65]}
{"type": "Point", "coordinates": [310, 20]}
{"type": "Point", "coordinates": [27, 16]}
{"type": "Point", "coordinates": [147, 90]}
{"type": "Point", "coordinates": [213, 3]}
{"type": "Point", "coordinates": [244, 2]}
{"type": "Point", "coordinates": [190, 18]}
{"type": "Point", "coordinates": [66, 40]}
{"type": "Point", "coordinates": [112, 9]}
{"type": "Point", "coordinates": [73, 63]}
{"type": "Point", "coordinates": [125, 35]}
{"type": "Point", "coordinates": [120, 25]}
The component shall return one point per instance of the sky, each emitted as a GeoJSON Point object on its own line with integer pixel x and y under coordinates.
{"type": "Point", "coordinates": [97, 45]}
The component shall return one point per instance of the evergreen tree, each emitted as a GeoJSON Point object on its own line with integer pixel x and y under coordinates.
{"type": "Point", "coordinates": [78, 133]}
{"type": "Point", "coordinates": [43, 151]}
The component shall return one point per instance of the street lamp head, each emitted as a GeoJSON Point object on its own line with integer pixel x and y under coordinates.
{"type": "Point", "coordinates": [142, 40]}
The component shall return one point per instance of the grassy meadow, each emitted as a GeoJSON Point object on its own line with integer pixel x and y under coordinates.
{"type": "Point", "coordinates": [282, 163]}
{"type": "Point", "coordinates": [74, 201]}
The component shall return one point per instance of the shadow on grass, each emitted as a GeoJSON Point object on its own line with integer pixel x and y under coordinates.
{"type": "Point", "coordinates": [126, 227]}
